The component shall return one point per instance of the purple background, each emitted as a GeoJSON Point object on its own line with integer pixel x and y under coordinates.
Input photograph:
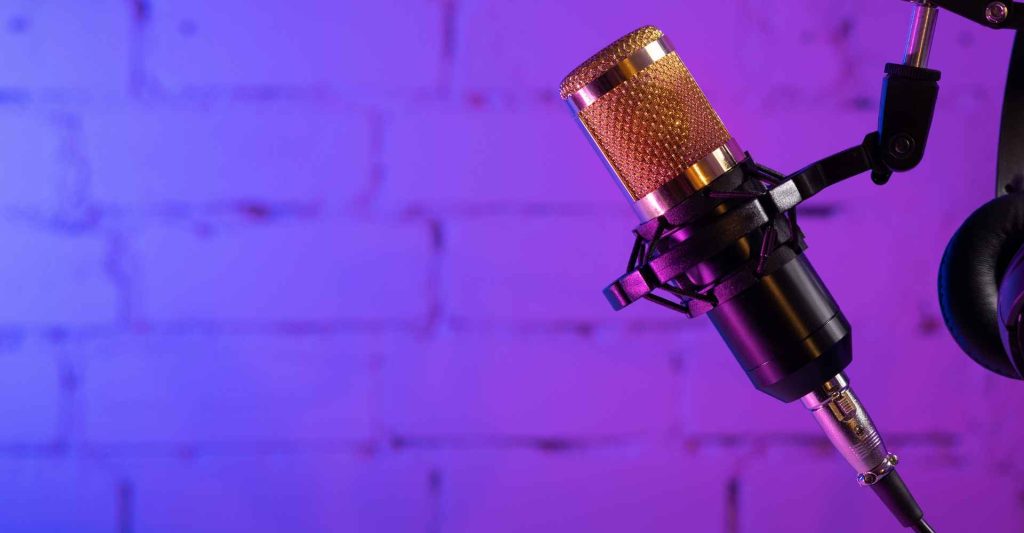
{"type": "Point", "coordinates": [336, 266]}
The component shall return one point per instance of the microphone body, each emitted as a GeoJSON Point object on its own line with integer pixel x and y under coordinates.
{"type": "Point", "coordinates": [719, 235]}
{"type": "Point", "coordinates": [662, 140]}
{"type": "Point", "coordinates": [786, 331]}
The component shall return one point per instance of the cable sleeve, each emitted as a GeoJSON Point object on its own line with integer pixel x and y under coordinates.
{"type": "Point", "coordinates": [896, 496]}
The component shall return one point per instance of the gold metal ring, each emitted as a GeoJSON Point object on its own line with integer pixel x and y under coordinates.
{"type": "Point", "coordinates": [693, 178]}
{"type": "Point", "coordinates": [625, 70]}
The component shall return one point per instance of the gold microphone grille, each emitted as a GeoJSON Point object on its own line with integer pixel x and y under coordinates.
{"type": "Point", "coordinates": [654, 125]}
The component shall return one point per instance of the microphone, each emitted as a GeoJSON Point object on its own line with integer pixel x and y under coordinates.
{"type": "Point", "coordinates": [716, 237]}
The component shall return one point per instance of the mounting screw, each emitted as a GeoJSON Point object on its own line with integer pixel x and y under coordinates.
{"type": "Point", "coordinates": [996, 12]}
{"type": "Point", "coordinates": [867, 479]}
{"type": "Point", "coordinates": [901, 145]}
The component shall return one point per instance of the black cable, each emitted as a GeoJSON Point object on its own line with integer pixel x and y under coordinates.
{"type": "Point", "coordinates": [896, 496]}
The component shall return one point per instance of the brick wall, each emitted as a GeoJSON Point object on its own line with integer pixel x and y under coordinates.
{"type": "Point", "coordinates": [312, 265]}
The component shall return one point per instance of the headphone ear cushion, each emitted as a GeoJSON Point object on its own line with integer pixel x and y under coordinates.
{"type": "Point", "coordinates": [972, 267]}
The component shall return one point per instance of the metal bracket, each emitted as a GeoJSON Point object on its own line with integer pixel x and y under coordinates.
{"type": "Point", "coordinates": [998, 15]}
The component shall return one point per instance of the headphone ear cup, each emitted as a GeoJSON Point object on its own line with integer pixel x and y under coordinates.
{"type": "Point", "coordinates": [972, 267]}
{"type": "Point", "coordinates": [1011, 310]}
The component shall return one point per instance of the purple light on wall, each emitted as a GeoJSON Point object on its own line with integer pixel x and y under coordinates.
{"type": "Point", "coordinates": [338, 266]}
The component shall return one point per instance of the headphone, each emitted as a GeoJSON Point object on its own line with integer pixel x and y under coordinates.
{"type": "Point", "coordinates": [981, 278]}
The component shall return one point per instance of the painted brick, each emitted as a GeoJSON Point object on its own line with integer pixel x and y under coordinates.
{"type": "Point", "coordinates": [790, 139]}
{"type": "Point", "coordinates": [996, 432]}
{"type": "Point", "coordinates": [33, 159]}
{"type": "Point", "coordinates": [322, 492]}
{"type": "Point", "coordinates": [541, 269]}
{"type": "Point", "coordinates": [38, 57]}
{"type": "Point", "coordinates": [807, 58]}
{"type": "Point", "coordinates": [718, 399]}
{"type": "Point", "coordinates": [207, 388]}
{"type": "Point", "coordinates": [827, 498]}
{"type": "Point", "coordinates": [596, 491]}
{"type": "Point", "coordinates": [973, 60]}
{"type": "Point", "coordinates": [962, 158]}
{"type": "Point", "coordinates": [545, 386]}
{"type": "Point", "coordinates": [57, 279]}
{"type": "Point", "coordinates": [494, 159]}
{"type": "Point", "coordinates": [217, 154]}
{"type": "Point", "coordinates": [383, 47]}
{"type": "Point", "coordinates": [56, 494]}
{"type": "Point", "coordinates": [815, 59]}
{"type": "Point", "coordinates": [536, 47]}
{"type": "Point", "coordinates": [324, 271]}
{"type": "Point", "coordinates": [800, 59]}
{"type": "Point", "coordinates": [30, 392]}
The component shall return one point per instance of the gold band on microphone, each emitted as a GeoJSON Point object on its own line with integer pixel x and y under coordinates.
{"type": "Point", "coordinates": [623, 71]}
{"type": "Point", "coordinates": [690, 180]}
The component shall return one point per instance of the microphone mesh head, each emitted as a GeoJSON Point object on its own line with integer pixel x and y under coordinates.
{"type": "Point", "coordinates": [655, 124]}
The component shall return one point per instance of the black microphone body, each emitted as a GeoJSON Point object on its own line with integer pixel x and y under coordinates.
{"type": "Point", "coordinates": [786, 331]}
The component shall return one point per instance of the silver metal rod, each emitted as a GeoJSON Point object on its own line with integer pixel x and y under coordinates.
{"type": "Point", "coordinates": [919, 42]}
